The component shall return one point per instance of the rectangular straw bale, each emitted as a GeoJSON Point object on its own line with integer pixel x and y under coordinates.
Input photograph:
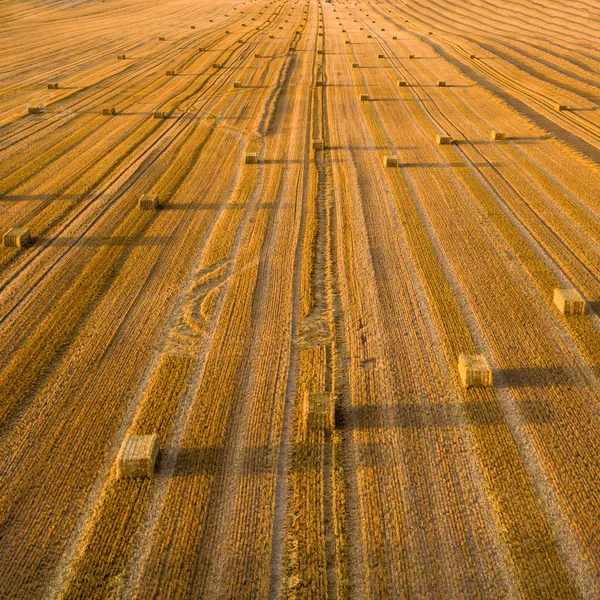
{"type": "Point", "coordinates": [237, 84]}
{"type": "Point", "coordinates": [257, 55]}
{"type": "Point", "coordinates": [318, 145]}
{"type": "Point", "coordinates": [16, 237]}
{"type": "Point", "coordinates": [319, 82]}
{"type": "Point", "coordinates": [441, 83]}
{"type": "Point", "coordinates": [137, 456]}
{"type": "Point", "coordinates": [401, 83]}
{"type": "Point", "coordinates": [411, 56]}
{"type": "Point", "coordinates": [363, 97]}
{"type": "Point", "coordinates": [560, 107]}
{"type": "Point", "coordinates": [497, 135]}
{"type": "Point", "coordinates": [390, 161]}
{"type": "Point", "coordinates": [474, 371]}
{"type": "Point", "coordinates": [109, 111]}
{"type": "Point", "coordinates": [569, 301]}
{"type": "Point", "coordinates": [319, 411]}
{"type": "Point", "coordinates": [53, 86]}
{"type": "Point", "coordinates": [251, 158]}
{"type": "Point", "coordinates": [355, 65]}
{"type": "Point", "coordinates": [148, 201]}
{"type": "Point", "coordinates": [159, 114]}
{"type": "Point", "coordinates": [162, 39]}
{"type": "Point", "coordinates": [120, 57]}
{"type": "Point", "coordinates": [170, 73]}
{"type": "Point", "coordinates": [36, 110]}
{"type": "Point", "coordinates": [381, 55]}
{"type": "Point", "coordinates": [443, 139]}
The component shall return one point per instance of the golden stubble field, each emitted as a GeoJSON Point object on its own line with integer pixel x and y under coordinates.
{"type": "Point", "coordinates": [288, 265]}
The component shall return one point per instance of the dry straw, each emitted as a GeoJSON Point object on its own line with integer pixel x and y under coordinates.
{"type": "Point", "coordinates": [137, 456]}
{"type": "Point", "coordinates": [569, 301]}
{"type": "Point", "coordinates": [319, 411]}
{"type": "Point", "coordinates": [148, 201]}
{"type": "Point", "coordinates": [16, 237]}
{"type": "Point", "coordinates": [474, 371]}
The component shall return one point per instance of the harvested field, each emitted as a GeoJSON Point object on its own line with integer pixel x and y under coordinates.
{"type": "Point", "coordinates": [299, 300]}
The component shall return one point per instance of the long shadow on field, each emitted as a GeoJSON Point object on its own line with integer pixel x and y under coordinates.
{"type": "Point", "coordinates": [208, 460]}
{"type": "Point", "coordinates": [38, 197]}
{"type": "Point", "coordinates": [109, 241]}
{"type": "Point", "coordinates": [425, 415]}
{"type": "Point", "coordinates": [536, 377]}
{"type": "Point", "coordinates": [451, 165]}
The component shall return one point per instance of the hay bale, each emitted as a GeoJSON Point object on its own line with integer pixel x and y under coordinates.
{"type": "Point", "coordinates": [560, 107]}
{"type": "Point", "coordinates": [472, 56]}
{"type": "Point", "coordinates": [394, 37]}
{"type": "Point", "coordinates": [271, 37]}
{"type": "Point", "coordinates": [148, 201]}
{"type": "Point", "coordinates": [474, 371]}
{"type": "Point", "coordinates": [382, 29]}
{"type": "Point", "coordinates": [347, 42]}
{"type": "Point", "coordinates": [569, 301]}
{"type": "Point", "coordinates": [251, 158]}
{"type": "Point", "coordinates": [53, 86]}
{"type": "Point", "coordinates": [441, 83]}
{"type": "Point", "coordinates": [319, 51]}
{"type": "Point", "coordinates": [291, 49]}
{"type": "Point", "coordinates": [497, 135]}
{"type": "Point", "coordinates": [159, 114]}
{"type": "Point", "coordinates": [390, 161]}
{"type": "Point", "coordinates": [109, 111]}
{"type": "Point", "coordinates": [240, 41]}
{"type": "Point", "coordinates": [201, 49]}
{"type": "Point", "coordinates": [411, 56]}
{"type": "Point", "coordinates": [319, 411]}
{"type": "Point", "coordinates": [401, 83]}
{"type": "Point", "coordinates": [443, 139]}
{"type": "Point", "coordinates": [36, 110]}
{"type": "Point", "coordinates": [170, 73]}
{"type": "Point", "coordinates": [162, 39]}
{"type": "Point", "coordinates": [137, 456]}
{"type": "Point", "coordinates": [369, 35]}
{"type": "Point", "coordinates": [363, 97]}
{"type": "Point", "coordinates": [318, 145]}
{"type": "Point", "coordinates": [319, 82]}
{"type": "Point", "coordinates": [120, 57]}
{"type": "Point", "coordinates": [193, 27]}
{"type": "Point", "coordinates": [355, 65]}
{"type": "Point", "coordinates": [237, 84]}
{"type": "Point", "coordinates": [381, 55]}
{"type": "Point", "coordinates": [16, 237]}
{"type": "Point", "coordinates": [216, 66]}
